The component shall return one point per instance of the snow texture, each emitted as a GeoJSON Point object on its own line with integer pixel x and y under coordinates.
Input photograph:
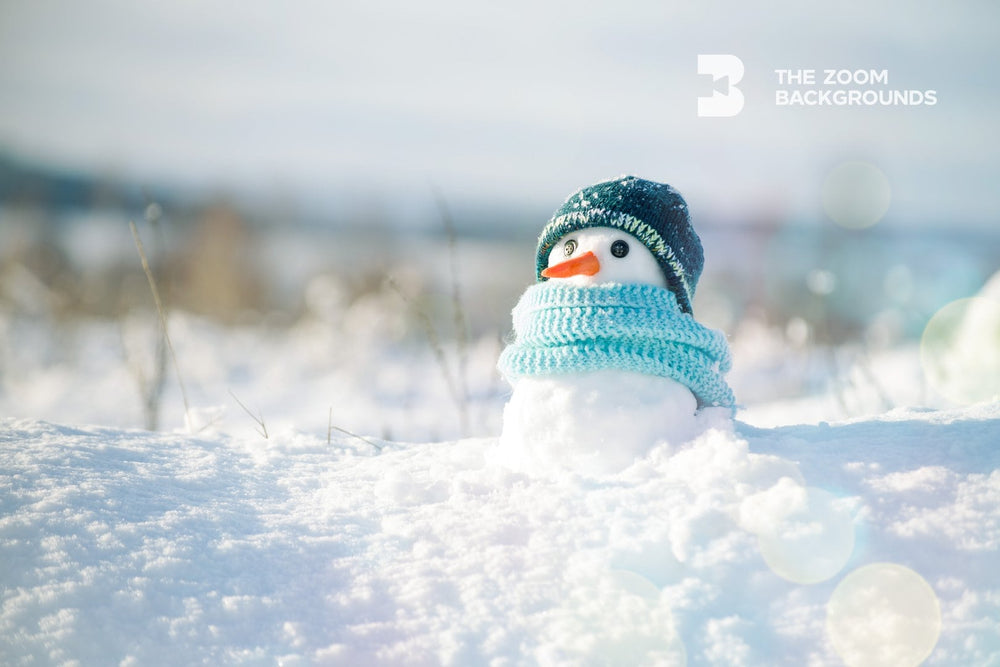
{"type": "Point", "coordinates": [742, 546]}
{"type": "Point", "coordinates": [595, 422]}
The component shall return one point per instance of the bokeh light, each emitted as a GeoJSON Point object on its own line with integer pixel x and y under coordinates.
{"type": "Point", "coordinates": [883, 614]}
{"type": "Point", "coordinates": [625, 620]}
{"type": "Point", "coordinates": [960, 350]}
{"type": "Point", "coordinates": [821, 282]}
{"type": "Point", "coordinates": [811, 539]}
{"type": "Point", "coordinates": [856, 194]}
{"type": "Point", "coordinates": [630, 581]}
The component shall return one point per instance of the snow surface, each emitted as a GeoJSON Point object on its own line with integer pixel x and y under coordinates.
{"type": "Point", "coordinates": [745, 546]}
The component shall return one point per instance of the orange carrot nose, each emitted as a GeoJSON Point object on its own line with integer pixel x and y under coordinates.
{"type": "Point", "coordinates": [586, 264]}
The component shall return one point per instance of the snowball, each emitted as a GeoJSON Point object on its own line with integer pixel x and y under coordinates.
{"type": "Point", "coordinates": [596, 423]}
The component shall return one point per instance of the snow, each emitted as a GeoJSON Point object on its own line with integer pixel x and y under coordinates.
{"type": "Point", "coordinates": [596, 422]}
{"type": "Point", "coordinates": [130, 547]}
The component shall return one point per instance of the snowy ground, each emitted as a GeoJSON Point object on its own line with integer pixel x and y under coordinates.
{"type": "Point", "coordinates": [827, 526]}
{"type": "Point", "coordinates": [747, 547]}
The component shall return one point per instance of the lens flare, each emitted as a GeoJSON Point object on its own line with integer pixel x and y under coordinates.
{"type": "Point", "coordinates": [617, 617]}
{"type": "Point", "coordinates": [960, 350]}
{"type": "Point", "coordinates": [883, 614]}
{"type": "Point", "coordinates": [809, 538]}
{"type": "Point", "coordinates": [632, 582]}
{"type": "Point", "coordinates": [856, 194]}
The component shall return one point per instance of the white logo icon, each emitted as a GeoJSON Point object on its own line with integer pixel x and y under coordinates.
{"type": "Point", "coordinates": [729, 70]}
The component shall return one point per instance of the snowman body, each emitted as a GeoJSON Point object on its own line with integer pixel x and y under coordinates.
{"type": "Point", "coordinates": [593, 422]}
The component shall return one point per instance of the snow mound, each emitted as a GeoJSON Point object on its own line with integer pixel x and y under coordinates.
{"type": "Point", "coordinates": [743, 546]}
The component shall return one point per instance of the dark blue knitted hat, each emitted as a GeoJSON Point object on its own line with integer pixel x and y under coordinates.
{"type": "Point", "coordinates": [654, 213]}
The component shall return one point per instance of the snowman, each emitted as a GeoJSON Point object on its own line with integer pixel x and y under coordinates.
{"type": "Point", "coordinates": [607, 360]}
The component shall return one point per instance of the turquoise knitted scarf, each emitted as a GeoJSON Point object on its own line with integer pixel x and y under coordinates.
{"type": "Point", "coordinates": [567, 329]}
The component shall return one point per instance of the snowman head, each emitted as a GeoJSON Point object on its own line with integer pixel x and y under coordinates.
{"type": "Point", "coordinates": [597, 255]}
{"type": "Point", "coordinates": [643, 215]}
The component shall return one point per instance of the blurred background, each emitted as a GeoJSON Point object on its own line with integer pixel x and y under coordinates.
{"type": "Point", "coordinates": [339, 200]}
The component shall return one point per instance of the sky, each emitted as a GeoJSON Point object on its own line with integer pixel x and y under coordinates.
{"type": "Point", "coordinates": [518, 103]}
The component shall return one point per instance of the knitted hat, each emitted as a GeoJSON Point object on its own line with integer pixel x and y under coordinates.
{"type": "Point", "coordinates": [654, 213]}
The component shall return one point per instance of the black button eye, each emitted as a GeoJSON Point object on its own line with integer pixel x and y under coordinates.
{"type": "Point", "coordinates": [569, 248]}
{"type": "Point", "coordinates": [619, 248]}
